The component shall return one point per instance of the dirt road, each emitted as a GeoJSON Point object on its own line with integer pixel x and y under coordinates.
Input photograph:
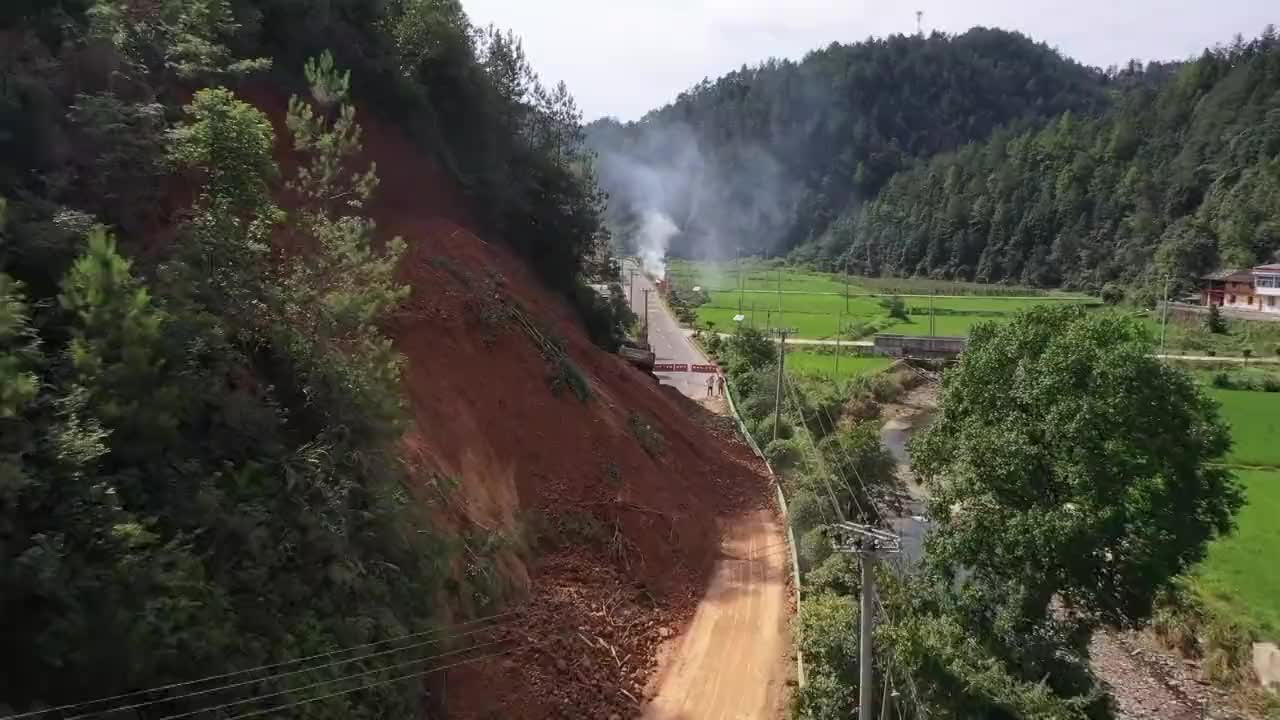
{"type": "Point", "coordinates": [733, 661]}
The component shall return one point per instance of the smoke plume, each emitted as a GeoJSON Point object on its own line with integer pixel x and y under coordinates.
{"type": "Point", "coordinates": [668, 196]}
{"type": "Point", "coordinates": [652, 241]}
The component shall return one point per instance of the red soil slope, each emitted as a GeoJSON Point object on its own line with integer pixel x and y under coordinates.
{"type": "Point", "coordinates": [607, 545]}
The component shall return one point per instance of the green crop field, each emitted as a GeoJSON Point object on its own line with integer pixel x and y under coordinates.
{"type": "Point", "coordinates": [1255, 426]}
{"type": "Point", "coordinates": [1238, 576]}
{"type": "Point", "coordinates": [815, 304]}
{"type": "Point", "coordinates": [804, 361]}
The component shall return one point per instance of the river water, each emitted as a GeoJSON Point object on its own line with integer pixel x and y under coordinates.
{"type": "Point", "coordinates": [911, 524]}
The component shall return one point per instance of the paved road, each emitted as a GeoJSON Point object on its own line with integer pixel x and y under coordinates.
{"type": "Point", "coordinates": [670, 342]}
{"type": "Point", "coordinates": [732, 661]}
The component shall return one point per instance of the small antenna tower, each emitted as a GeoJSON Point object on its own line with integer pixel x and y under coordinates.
{"type": "Point", "coordinates": [920, 22]}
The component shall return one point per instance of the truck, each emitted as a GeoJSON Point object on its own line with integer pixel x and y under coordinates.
{"type": "Point", "coordinates": [641, 356]}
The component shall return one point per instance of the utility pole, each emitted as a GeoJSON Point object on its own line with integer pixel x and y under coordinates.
{"type": "Point", "coordinates": [846, 282]}
{"type": "Point", "coordinates": [777, 393]}
{"type": "Point", "coordinates": [1164, 320]}
{"type": "Point", "coordinates": [837, 349]}
{"type": "Point", "coordinates": [631, 288]}
{"type": "Point", "coordinates": [741, 285]}
{"type": "Point", "coordinates": [931, 294]}
{"type": "Point", "coordinates": [779, 294]}
{"type": "Point", "coordinates": [869, 544]}
{"type": "Point", "coordinates": [646, 316]}
{"type": "Point", "coordinates": [920, 22]}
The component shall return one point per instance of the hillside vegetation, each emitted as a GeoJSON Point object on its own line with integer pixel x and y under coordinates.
{"type": "Point", "coordinates": [1181, 177]}
{"type": "Point", "coordinates": [767, 156]}
{"type": "Point", "coordinates": [201, 406]}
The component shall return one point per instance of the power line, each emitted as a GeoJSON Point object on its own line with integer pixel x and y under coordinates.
{"type": "Point", "coordinates": [330, 682]}
{"type": "Point", "coordinates": [272, 666]}
{"type": "Point", "coordinates": [388, 681]}
{"type": "Point", "coordinates": [880, 515]}
{"type": "Point", "coordinates": [838, 472]}
{"type": "Point", "coordinates": [281, 676]}
{"type": "Point", "coordinates": [822, 470]}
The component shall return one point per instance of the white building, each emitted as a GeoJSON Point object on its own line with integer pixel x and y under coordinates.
{"type": "Point", "coordinates": [1266, 281]}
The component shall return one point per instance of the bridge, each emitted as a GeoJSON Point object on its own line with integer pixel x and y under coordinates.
{"type": "Point", "coordinates": [915, 346]}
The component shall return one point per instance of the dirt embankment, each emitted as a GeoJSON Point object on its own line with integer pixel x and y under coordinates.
{"type": "Point", "coordinates": [598, 520]}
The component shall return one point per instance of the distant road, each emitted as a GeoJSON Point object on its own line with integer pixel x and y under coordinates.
{"type": "Point", "coordinates": [1062, 298]}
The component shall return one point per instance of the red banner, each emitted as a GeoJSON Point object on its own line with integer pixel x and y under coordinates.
{"type": "Point", "coordinates": [706, 369]}
{"type": "Point", "coordinates": [670, 367]}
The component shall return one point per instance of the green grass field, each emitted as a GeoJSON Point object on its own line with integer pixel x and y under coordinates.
{"type": "Point", "coordinates": [1239, 578]}
{"type": "Point", "coordinates": [803, 361]}
{"type": "Point", "coordinates": [814, 304]}
{"type": "Point", "coordinates": [1255, 426]}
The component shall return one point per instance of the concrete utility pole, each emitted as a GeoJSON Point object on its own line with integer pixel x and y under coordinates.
{"type": "Point", "coordinates": [646, 317]}
{"type": "Point", "coordinates": [837, 350]}
{"type": "Point", "coordinates": [931, 294]}
{"type": "Point", "coordinates": [779, 295]}
{"type": "Point", "coordinates": [742, 286]}
{"type": "Point", "coordinates": [777, 393]}
{"type": "Point", "coordinates": [1164, 320]}
{"type": "Point", "coordinates": [631, 288]}
{"type": "Point", "coordinates": [869, 544]}
{"type": "Point", "coordinates": [846, 283]}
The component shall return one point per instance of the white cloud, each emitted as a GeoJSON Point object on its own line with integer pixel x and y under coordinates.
{"type": "Point", "coordinates": [623, 58]}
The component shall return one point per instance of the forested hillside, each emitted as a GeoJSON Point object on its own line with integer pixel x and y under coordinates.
{"type": "Point", "coordinates": [1180, 178]}
{"type": "Point", "coordinates": [201, 407]}
{"type": "Point", "coordinates": [767, 156]}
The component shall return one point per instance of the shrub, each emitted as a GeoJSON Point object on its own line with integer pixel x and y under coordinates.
{"type": "Point", "coordinates": [894, 307]}
{"type": "Point", "coordinates": [1214, 322]}
{"type": "Point", "coordinates": [1223, 381]}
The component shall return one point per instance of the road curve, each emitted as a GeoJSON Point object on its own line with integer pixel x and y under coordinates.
{"type": "Point", "coordinates": [732, 662]}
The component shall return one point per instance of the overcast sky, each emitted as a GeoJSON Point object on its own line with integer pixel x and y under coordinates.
{"type": "Point", "coordinates": [625, 57]}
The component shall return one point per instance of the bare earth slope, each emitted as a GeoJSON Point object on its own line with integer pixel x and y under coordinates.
{"type": "Point", "coordinates": [602, 545]}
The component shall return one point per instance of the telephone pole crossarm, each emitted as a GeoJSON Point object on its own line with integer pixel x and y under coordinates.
{"type": "Point", "coordinates": [869, 544]}
{"type": "Point", "coordinates": [850, 537]}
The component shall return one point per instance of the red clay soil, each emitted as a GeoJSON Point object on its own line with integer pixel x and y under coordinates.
{"type": "Point", "coordinates": [609, 546]}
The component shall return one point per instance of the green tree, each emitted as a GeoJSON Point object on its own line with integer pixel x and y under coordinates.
{"type": "Point", "coordinates": [333, 296]}
{"type": "Point", "coordinates": [1067, 462]}
{"type": "Point", "coordinates": [227, 144]}
{"type": "Point", "coordinates": [1214, 322]}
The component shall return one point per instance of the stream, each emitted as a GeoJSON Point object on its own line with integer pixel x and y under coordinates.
{"type": "Point", "coordinates": [911, 525]}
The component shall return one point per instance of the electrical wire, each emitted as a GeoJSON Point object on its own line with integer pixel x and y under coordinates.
{"type": "Point", "coordinates": [280, 676]}
{"type": "Point", "coordinates": [838, 473]}
{"type": "Point", "coordinates": [823, 472]}
{"type": "Point", "coordinates": [879, 514]}
{"type": "Point", "coordinates": [330, 682]}
{"type": "Point", "coordinates": [388, 681]}
{"type": "Point", "coordinates": [272, 666]}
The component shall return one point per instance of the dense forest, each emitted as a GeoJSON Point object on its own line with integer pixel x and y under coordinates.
{"type": "Point", "coordinates": [198, 461]}
{"type": "Point", "coordinates": [1181, 177]}
{"type": "Point", "coordinates": [767, 157]}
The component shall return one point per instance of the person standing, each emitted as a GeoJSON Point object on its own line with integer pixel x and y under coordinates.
{"type": "Point", "coordinates": [720, 384]}
{"type": "Point", "coordinates": [711, 386]}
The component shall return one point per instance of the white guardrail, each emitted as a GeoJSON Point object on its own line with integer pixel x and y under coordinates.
{"type": "Point", "coordinates": [786, 519]}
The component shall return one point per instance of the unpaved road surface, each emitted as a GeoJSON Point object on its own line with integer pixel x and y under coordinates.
{"type": "Point", "coordinates": [733, 660]}
{"type": "Point", "coordinates": [731, 663]}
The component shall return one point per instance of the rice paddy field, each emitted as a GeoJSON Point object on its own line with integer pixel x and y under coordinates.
{"type": "Point", "coordinates": [1238, 579]}
{"type": "Point", "coordinates": [826, 364]}
{"type": "Point", "coordinates": [816, 306]}
{"type": "Point", "coordinates": [1255, 427]}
